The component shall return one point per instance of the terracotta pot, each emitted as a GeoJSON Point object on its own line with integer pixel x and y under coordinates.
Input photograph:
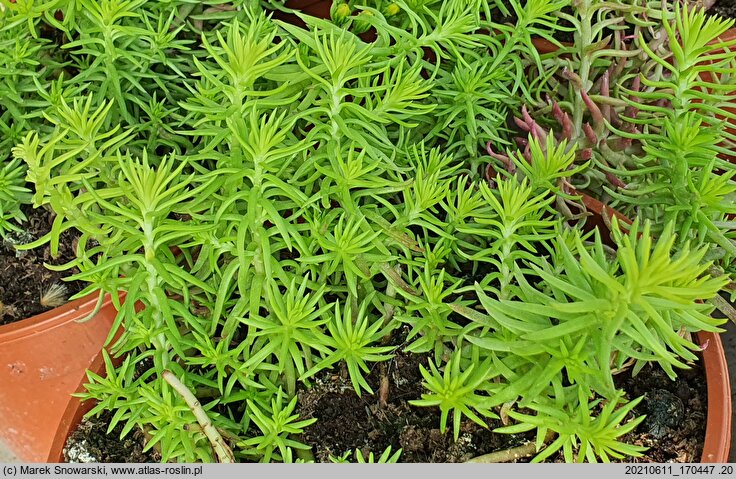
{"type": "Point", "coordinates": [321, 9]}
{"type": "Point", "coordinates": [74, 412]}
{"type": "Point", "coordinates": [601, 216]}
{"type": "Point", "coordinates": [718, 427]}
{"type": "Point", "coordinates": [317, 8]}
{"type": "Point", "coordinates": [42, 360]}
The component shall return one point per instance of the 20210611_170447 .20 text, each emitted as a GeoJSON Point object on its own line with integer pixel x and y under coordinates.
{"type": "Point", "coordinates": [676, 470]}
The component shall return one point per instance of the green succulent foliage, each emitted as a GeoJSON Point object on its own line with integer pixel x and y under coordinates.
{"type": "Point", "coordinates": [428, 313]}
{"type": "Point", "coordinates": [291, 332]}
{"type": "Point", "coordinates": [136, 217]}
{"type": "Point", "coordinates": [25, 62]}
{"type": "Point", "coordinates": [13, 194]}
{"type": "Point", "coordinates": [454, 391]}
{"type": "Point", "coordinates": [144, 401]}
{"type": "Point", "coordinates": [474, 100]}
{"type": "Point", "coordinates": [346, 249]}
{"type": "Point", "coordinates": [681, 181]}
{"type": "Point", "coordinates": [278, 200]}
{"type": "Point", "coordinates": [385, 458]}
{"type": "Point", "coordinates": [588, 318]}
{"type": "Point", "coordinates": [276, 425]}
{"type": "Point", "coordinates": [648, 112]}
{"type": "Point", "coordinates": [594, 315]}
{"type": "Point", "coordinates": [170, 421]}
{"type": "Point", "coordinates": [549, 166]}
{"type": "Point", "coordinates": [474, 91]}
{"type": "Point", "coordinates": [581, 436]}
{"type": "Point", "coordinates": [350, 338]}
{"type": "Point", "coordinates": [114, 390]}
{"type": "Point", "coordinates": [80, 147]}
{"type": "Point", "coordinates": [477, 95]}
{"type": "Point", "coordinates": [516, 226]}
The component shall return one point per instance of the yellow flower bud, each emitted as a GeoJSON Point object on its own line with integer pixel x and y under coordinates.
{"type": "Point", "coordinates": [392, 10]}
{"type": "Point", "coordinates": [359, 24]}
{"type": "Point", "coordinates": [341, 12]}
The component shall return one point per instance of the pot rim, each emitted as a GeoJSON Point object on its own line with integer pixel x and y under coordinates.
{"type": "Point", "coordinates": [72, 311]}
{"type": "Point", "coordinates": [49, 352]}
{"type": "Point", "coordinates": [717, 444]}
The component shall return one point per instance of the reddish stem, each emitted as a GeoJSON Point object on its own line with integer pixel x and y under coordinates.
{"type": "Point", "coordinates": [595, 112]}
{"type": "Point", "coordinates": [605, 91]}
{"type": "Point", "coordinates": [590, 134]}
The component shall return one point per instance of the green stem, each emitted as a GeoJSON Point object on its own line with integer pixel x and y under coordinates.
{"type": "Point", "coordinates": [113, 78]}
{"type": "Point", "coordinates": [290, 378]}
{"type": "Point", "coordinates": [153, 283]}
{"type": "Point", "coordinates": [506, 262]}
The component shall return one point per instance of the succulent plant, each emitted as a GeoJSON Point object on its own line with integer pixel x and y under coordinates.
{"type": "Point", "coordinates": [278, 201]}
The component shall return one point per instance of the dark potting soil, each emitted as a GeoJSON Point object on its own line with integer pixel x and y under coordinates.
{"type": "Point", "coordinates": [674, 429]}
{"type": "Point", "coordinates": [724, 8]}
{"type": "Point", "coordinates": [24, 280]}
{"type": "Point", "coordinates": [346, 422]}
{"type": "Point", "coordinates": [91, 443]}
{"type": "Point", "coordinates": [676, 411]}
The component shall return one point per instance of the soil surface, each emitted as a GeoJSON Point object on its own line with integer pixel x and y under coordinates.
{"type": "Point", "coordinates": [346, 422]}
{"type": "Point", "coordinates": [676, 411]}
{"type": "Point", "coordinates": [25, 282]}
{"type": "Point", "coordinates": [724, 8]}
{"type": "Point", "coordinates": [90, 443]}
{"type": "Point", "coordinates": [674, 429]}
